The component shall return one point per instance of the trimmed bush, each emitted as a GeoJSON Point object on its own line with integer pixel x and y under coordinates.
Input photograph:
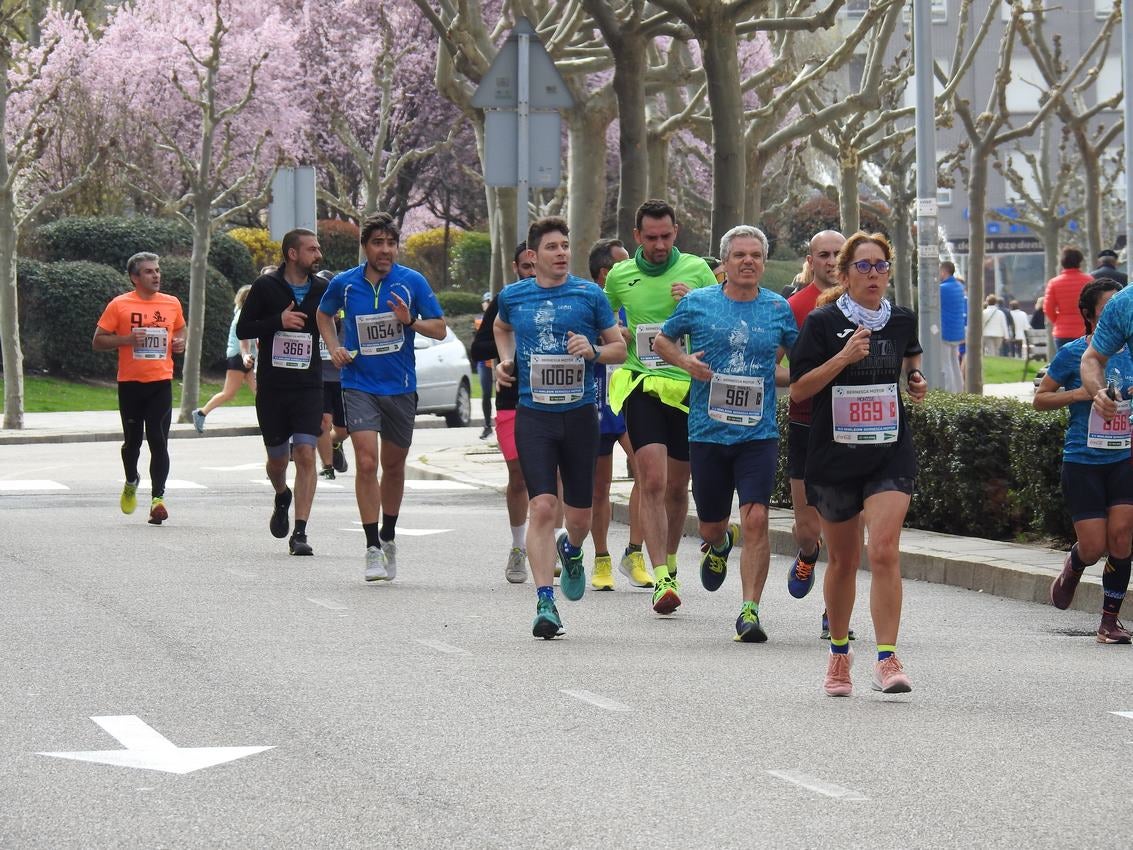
{"type": "Point", "coordinates": [218, 308]}
{"type": "Point", "coordinates": [459, 303]}
{"type": "Point", "coordinates": [232, 259]}
{"type": "Point", "coordinates": [265, 251]}
{"type": "Point", "coordinates": [339, 241]}
{"type": "Point", "coordinates": [470, 266]}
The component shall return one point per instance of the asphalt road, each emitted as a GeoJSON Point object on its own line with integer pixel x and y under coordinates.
{"type": "Point", "coordinates": [422, 713]}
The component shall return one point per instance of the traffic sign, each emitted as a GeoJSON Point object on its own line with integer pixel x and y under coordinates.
{"type": "Point", "coordinates": [499, 89]}
{"type": "Point", "coordinates": [501, 144]}
{"type": "Point", "coordinates": [292, 201]}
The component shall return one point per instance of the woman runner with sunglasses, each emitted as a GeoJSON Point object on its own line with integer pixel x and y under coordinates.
{"type": "Point", "coordinates": [849, 358]}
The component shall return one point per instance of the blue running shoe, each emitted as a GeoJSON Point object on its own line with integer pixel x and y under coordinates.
{"type": "Point", "coordinates": [748, 629]}
{"type": "Point", "coordinates": [800, 577]}
{"type": "Point", "coordinates": [573, 580]}
{"type": "Point", "coordinates": [713, 564]}
{"type": "Point", "coordinates": [547, 624]}
{"type": "Point", "coordinates": [826, 629]}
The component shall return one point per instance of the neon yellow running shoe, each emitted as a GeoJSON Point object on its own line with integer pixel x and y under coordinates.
{"type": "Point", "coordinates": [157, 512]}
{"type": "Point", "coordinates": [633, 568]}
{"type": "Point", "coordinates": [129, 500]}
{"type": "Point", "coordinates": [602, 578]}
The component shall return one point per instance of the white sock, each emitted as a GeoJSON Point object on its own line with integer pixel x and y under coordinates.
{"type": "Point", "coordinates": [519, 536]}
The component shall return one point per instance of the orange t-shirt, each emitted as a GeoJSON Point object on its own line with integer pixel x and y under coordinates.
{"type": "Point", "coordinates": [152, 361]}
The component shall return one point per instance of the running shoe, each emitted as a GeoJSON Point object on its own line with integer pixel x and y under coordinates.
{"type": "Point", "coordinates": [157, 512]}
{"type": "Point", "coordinates": [748, 629]}
{"type": "Point", "coordinates": [889, 677]}
{"type": "Point", "coordinates": [375, 564]}
{"type": "Point", "coordinates": [1063, 587]}
{"type": "Point", "coordinates": [714, 565]}
{"type": "Point", "coordinates": [573, 581]}
{"type": "Point", "coordinates": [280, 524]}
{"type": "Point", "coordinates": [603, 576]}
{"type": "Point", "coordinates": [199, 421]}
{"type": "Point", "coordinates": [547, 624]}
{"type": "Point", "coordinates": [516, 570]}
{"type": "Point", "coordinates": [1112, 631]}
{"type": "Point", "coordinates": [129, 500]}
{"type": "Point", "coordinates": [837, 683]}
{"type": "Point", "coordinates": [632, 567]}
{"type": "Point", "coordinates": [665, 596]}
{"type": "Point", "coordinates": [327, 473]}
{"type": "Point", "coordinates": [800, 577]}
{"type": "Point", "coordinates": [389, 548]}
{"type": "Point", "coordinates": [486, 433]}
{"type": "Point", "coordinates": [338, 458]}
{"type": "Point", "coordinates": [298, 545]}
{"type": "Point", "coordinates": [826, 629]}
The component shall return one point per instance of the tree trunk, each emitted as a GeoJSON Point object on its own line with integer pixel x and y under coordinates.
{"type": "Point", "coordinates": [498, 269]}
{"type": "Point", "coordinates": [198, 283]}
{"type": "Point", "coordinates": [13, 355]}
{"type": "Point", "coordinates": [658, 146]}
{"type": "Point", "coordinates": [1049, 236]}
{"type": "Point", "coordinates": [719, 47]}
{"type": "Point", "coordinates": [586, 183]}
{"type": "Point", "coordinates": [753, 191]}
{"type": "Point", "coordinates": [848, 201]}
{"type": "Point", "coordinates": [903, 254]}
{"type": "Point", "coordinates": [504, 223]}
{"type": "Point", "coordinates": [1091, 177]}
{"type": "Point", "coordinates": [629, 88]}
{"type": "Point", "coordinates": [977, 227]}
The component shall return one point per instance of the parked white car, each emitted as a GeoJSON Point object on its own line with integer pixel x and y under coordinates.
{"type": "Point", "coordinates": [444, 384]}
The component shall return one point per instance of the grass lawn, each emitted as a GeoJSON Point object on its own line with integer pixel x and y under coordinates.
{"type": "Point", "coordinates": [50, 395]}
{"type": "Point", "coordinates": [1008, 370]}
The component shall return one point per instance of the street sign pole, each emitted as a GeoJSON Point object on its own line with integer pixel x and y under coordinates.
{"type": "Point", "coordinates": [523, 159]}
{"type": "Point", "coordinates": [928, 251]}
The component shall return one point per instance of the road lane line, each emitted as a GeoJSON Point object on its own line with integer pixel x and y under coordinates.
{"type": "Point", "coordinates": [440, 646]}
{"type": "Point", "coordinates": [1128, 714]}
{"type": "Point", "coordinates": [21, 486]}
{"type": "Point", "coordinates": [596, 699]}
{"type": "Point", "coordinates": [328, 603]}
{"type": "Point", "coordinates": [818, 786]}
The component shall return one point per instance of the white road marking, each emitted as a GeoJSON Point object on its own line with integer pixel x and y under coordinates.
{"type": "Point", "coordinates": [244, 467]}
{"type": "Point", "coordinates": [174, 484]}
{"type": "Point", "coordinates": [1128, 714]}
{"type": "Point", "coordinates": [429, 484]}
{"type": "Point", "coordinates": [597, 699]}
{"type": "Point", "coordinates": [148, 749]}
{"type": "Point", "coordinates": [328, 603]}
{"type": "Point", "coordinates": [818, 786]}
{"type": "Point", "coordinates": [241, 573]}
{"type": "Point", "coordinates": [442, 647]}
{"type": "Point", "coordinates": [23, 486]}
{"type": "Point", "coordinates": [20, 470]}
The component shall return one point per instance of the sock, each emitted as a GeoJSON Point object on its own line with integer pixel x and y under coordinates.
{"type": "Point", "coordinates": [1115, 581]}
{"type": "Point", "coordinates": [671, 562]}
{"type": "Point", "coordinates": [372, 539]}
{"type": "Point", "coordinates": [519, 536]}
{"type": "Point", "coordinates": [840, 646]}
{"type": "Point", "coordinates": [601, 554]}
{"type": "Point", "coordinates": [885, 650]}
{"type": "Point", "coordinates": [725, 545]}
{"type": "Point", "coordinates": [660, 572]}
{"type": "Point", "coordinates": [809, 559]}
{"type": "Point", "coordinates": [547, 592]}
{"type": "Point", "coordinates": [1076, 563]}
{"type": "Point", "coordinates": [633, 547]}
{"type": "Point", "coordinates": [571, 550]}
{"type": "Point", "coordinates": [300, 528]}
{"type": "Point", "coordinates": [389, 521]}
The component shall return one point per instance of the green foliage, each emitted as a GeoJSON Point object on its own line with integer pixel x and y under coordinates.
{"type": "Point", "coordinates": [987, 467]}
{"type": "Point", "coordinates": [459, 303]}
{"type": "Point", "coordinates": [470, 266]}
{"type": "Point", "coordinates": [218, 307]}
{"type": "Point", "coordinates": [425, 251]}
{"type": "Point", "coordinates": [232, 259]}
{"type": "Point", "coordinates": [779, 273]}
{"type": "Point", "coordinates": [339, 241]}
{"type": "Point", "coordinates": [258, 241]}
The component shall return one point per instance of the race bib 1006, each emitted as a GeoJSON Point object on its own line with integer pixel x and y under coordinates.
{"type": "Point", "coordinates": [291, 350]}
{"type": "Point", "coordinates": [865, 415]}
{"type": "Point", "coordinates": [379, 333]}
{"type": "Point", "coordinates": [735, 399]}
{"type": "Point", "coordinates": [153, 345]}
{"type": "Point", "coordinates": [1109, 435]}
{"type": "Point", "coordinates": [557, 378]}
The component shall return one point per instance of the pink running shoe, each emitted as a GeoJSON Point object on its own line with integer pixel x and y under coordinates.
{"type": "Point", "coordinates": [1111, 631]}
{"type": "Point", "coordinates": [1063, 587]}
{"type": "Point", "coordinates": [837, 682]}
{"type": "Point", "coordinates": [889, 677]}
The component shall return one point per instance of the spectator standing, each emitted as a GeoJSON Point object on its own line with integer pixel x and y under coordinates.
{"type": "Point", "coordinates": [484, 369]}
{"type": "Point", "coordinates": [953, 325]}
{"type": "Point", "coordinates": [1038, 318]}
{"type": "Point", "coordinates": [995, 326]}
{"type": "Point", "coordinates": [1107, 267]}
{"type": "Point", "coordinates": [1021, 323]}
{"type": "Point", "coordinates": [1061, 299]}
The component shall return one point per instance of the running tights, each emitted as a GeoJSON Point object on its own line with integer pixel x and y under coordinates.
{"type": "Point", "coordinates": [146, 409]}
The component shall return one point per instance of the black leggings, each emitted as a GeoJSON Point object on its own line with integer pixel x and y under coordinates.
{"type": "Point", "coordinates": [486, 384]}
{"type": "Point", "coordinates": [146, 407]}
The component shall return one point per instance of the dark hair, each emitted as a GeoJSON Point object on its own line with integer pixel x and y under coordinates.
{"type": "Point", "coordinates": [542, 226]}
{"type": "Point", "coordinates": [520, 250]}
{"type": "Point", "coordinates": [379, 222]}
{"type": "Point", "coordinates": [948, 267]}
{"type": "Point", "coordinates": [292, 238]}
{"type": "Point", "coordinates": [1090, 296]}
{"type": "Point", "coordinates": [1072, 258]}
{"type": "Point", "coordinates": [602, 256]}
{"type": "Point", "coordinates": [654, 208]}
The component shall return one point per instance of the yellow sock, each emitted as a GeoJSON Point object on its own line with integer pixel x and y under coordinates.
{"type": "Point", "coordinates": [660, 572]}
{"type": "Point", "coordinates": [671, 562]}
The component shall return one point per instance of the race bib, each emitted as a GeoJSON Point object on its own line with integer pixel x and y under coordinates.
{"type": "Point", "coordinates": [379, 333]}
{"type": "Point", "coordinates": [605, 396]}
{"type": "Point", "coordinates": [324, 352]}
{"type": "Point", "coordinates": [291, 350]}
{"type": "Point", "coordinates": [152, 346]}
{"type": "Point", "coordinates": [557, 378]}
{"type": "Point", "coordinates": [865, 415]}
{"type": "Point", "coordinates": [644, 335]}
{"type": "Point", "coordinates": [1109, 435]}
{"type": "Point", "coordinates": [735, 399]}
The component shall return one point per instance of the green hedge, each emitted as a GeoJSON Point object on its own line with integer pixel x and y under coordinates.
{"type": "Point", "coordinates": [470, 263]}
{"type": "Point", "coordinates": [339, 242]}
{"type": "Point", "coordinates": [987, 467]}
{"type": "Point", "coordinates": [456, 303]}
{"type": "Point", "coordinates": [218, 308]}
{"type": "Point", "coordinates": [112, 241]}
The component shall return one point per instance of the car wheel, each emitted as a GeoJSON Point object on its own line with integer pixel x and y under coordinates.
{"type": "Point", "coordinates": [461, 416]}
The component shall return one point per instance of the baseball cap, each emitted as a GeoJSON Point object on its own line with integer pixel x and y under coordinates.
{"type": "Point", "coordinates": [1107, 252]}
{"type": "Point", "coordinates": [487, 296]}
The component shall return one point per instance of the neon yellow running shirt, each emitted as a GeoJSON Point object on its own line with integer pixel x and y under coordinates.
{"type": "Point", "coordinates": [648, 302]}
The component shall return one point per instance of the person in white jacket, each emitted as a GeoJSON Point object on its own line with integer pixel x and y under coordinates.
{"type": "Point", "coordinates": [1022, 322]}
{"type": "Point", "coordinates": [995, 326]}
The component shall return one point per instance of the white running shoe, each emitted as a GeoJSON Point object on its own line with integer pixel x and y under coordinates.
{"type": "Point", "coordinates": [376, 564]}
{"type": "Point", "coordinates": [390, 550]}
{"type": "Point", "coordinates": [516, 570]}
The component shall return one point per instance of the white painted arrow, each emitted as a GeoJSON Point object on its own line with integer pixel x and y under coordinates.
{"type": "Point", "coordinates": [148, 749]}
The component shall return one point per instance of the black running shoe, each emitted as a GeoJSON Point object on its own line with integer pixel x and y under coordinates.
{"type": "Point", "coordinates": [298, 545]}
{"type": "Point", "coordinates": [338, 458]}
{"type": "Point", "coordinates": [280, 524]}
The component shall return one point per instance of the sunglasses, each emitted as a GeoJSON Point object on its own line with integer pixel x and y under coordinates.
{"type": "Point", "coordinates": [881, 266]}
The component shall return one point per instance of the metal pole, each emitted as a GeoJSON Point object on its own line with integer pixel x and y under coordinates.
{"type": "Point", "coordinates": [928, 252]}
{"type": "Point", "coordinates": [523, 164]}
{"type": "Point", "coordinates": [1127, 72]}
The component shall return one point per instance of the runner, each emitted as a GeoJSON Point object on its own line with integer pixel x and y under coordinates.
{"type": "Point", "coordinates": [280, 313]}
{"type": "Point", "coordinates": [485, 370]}
{"type": "Point", "coordinates": [1097, 479]}
{"type": "Point", "coordinates": [737, 332]}
{"type": "Point", "coordinates": [550, 331]}
{"type": "Point", "coordinates": [334, 433]}
{"type": "Point", "coordinates": [146, 327]}
{"type": "Point", "coordinates": [861, 462]}
{"type": "Point", "coordinates": [384, 305]}
{"type": "Point", "coordinates": [612, 429]}
{"type": "Point", "coordinates": [654, 394]}
{"type": "Point", "coordinates": [241, 361]}
{"type": "Point", "coordinates": [822, 275]}
{"type": "Point", "coordinates": [484, 348]}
